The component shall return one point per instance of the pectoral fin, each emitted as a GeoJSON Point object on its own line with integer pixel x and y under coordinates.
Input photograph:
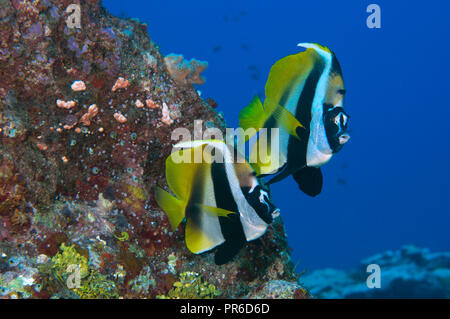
{"type": "Point", "coordinates": [285, 118]}
{"type": "Point", "coordinates": [309, 180]}
{"type": "Point", "coordinates": [214, 211]}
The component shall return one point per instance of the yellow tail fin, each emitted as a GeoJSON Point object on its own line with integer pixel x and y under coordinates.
{"type": "Point", "coordinates": [174, 208]}
{"type": "Point", "coordinates": [252, 116]}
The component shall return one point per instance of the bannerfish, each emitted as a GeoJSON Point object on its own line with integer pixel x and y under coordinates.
{"type": "Point", "coordinates": [305, 99]}
{"type": "Point", "coordinates": [221, 199]}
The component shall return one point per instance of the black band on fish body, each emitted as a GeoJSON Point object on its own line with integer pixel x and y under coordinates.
{"type": "Point", "coordinates": [231, 226]}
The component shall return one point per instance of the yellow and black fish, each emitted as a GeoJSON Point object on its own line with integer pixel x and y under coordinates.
{"type": "Point", "coordinates": [221, 199]}
{"type": "Point", "coordinates": [304, 98]}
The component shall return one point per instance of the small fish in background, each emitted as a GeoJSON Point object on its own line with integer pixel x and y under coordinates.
{"type": "Point", "coordinates": [222, 201]}
{"type": "Point", "coordinates": [245, 46]}
{"type": "Point", "coordinates": [217, 49]}
{"type": "Point", "coordinates": [235, 18]}
{"type": "Point", "coordinates": [254, 72]}
{"type": "Point", "coordinates": [304, 98]}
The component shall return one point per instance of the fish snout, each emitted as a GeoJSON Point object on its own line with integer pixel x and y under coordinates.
{"type": "Point", "coordinates": [343, 138]}
{"type": "Point", "coordinates": [276, 213]}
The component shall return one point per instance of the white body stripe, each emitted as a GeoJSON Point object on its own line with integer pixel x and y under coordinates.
{"type": "Point", "coordinates": [252, 224]}
{"type": "Point", "coordinates": [208, 223]}
{"type": "Point", "coordinates": [318, 150]}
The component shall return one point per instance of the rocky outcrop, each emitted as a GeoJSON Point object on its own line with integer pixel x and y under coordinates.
{"type": "Point", "coordinates": [410, 272]}
{"type": "Point", "coordinates": [86, 115]}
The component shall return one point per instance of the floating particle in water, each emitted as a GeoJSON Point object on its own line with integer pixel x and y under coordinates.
{"type": "Point", "coordinates": [133, 136]}
{"type": "Point", "coordinates": [130, 170]}
{"type": "Point", "coordinates": [95, 170]}
{"type": "Point", "coordinates": [113, 135]}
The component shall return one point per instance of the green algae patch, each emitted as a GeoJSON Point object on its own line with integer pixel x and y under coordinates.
{"type": "Point", "coordinates": [191, 286]}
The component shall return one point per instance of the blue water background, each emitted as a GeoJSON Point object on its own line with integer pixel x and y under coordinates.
{"type": "Point", "coordinates": [390, 185]}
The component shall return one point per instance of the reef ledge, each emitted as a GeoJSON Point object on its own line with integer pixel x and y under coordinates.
{"type": "Point", "coordinates": [86, 116]}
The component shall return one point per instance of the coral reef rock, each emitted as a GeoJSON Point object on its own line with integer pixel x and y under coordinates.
{"type": "Point", "coordinates": [80, 156]}
{"type": "Point", "coordinates": [410, 272]}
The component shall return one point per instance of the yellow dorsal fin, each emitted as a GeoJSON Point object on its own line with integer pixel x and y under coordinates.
{"type": "Point", "coordinates": [289, 73]}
